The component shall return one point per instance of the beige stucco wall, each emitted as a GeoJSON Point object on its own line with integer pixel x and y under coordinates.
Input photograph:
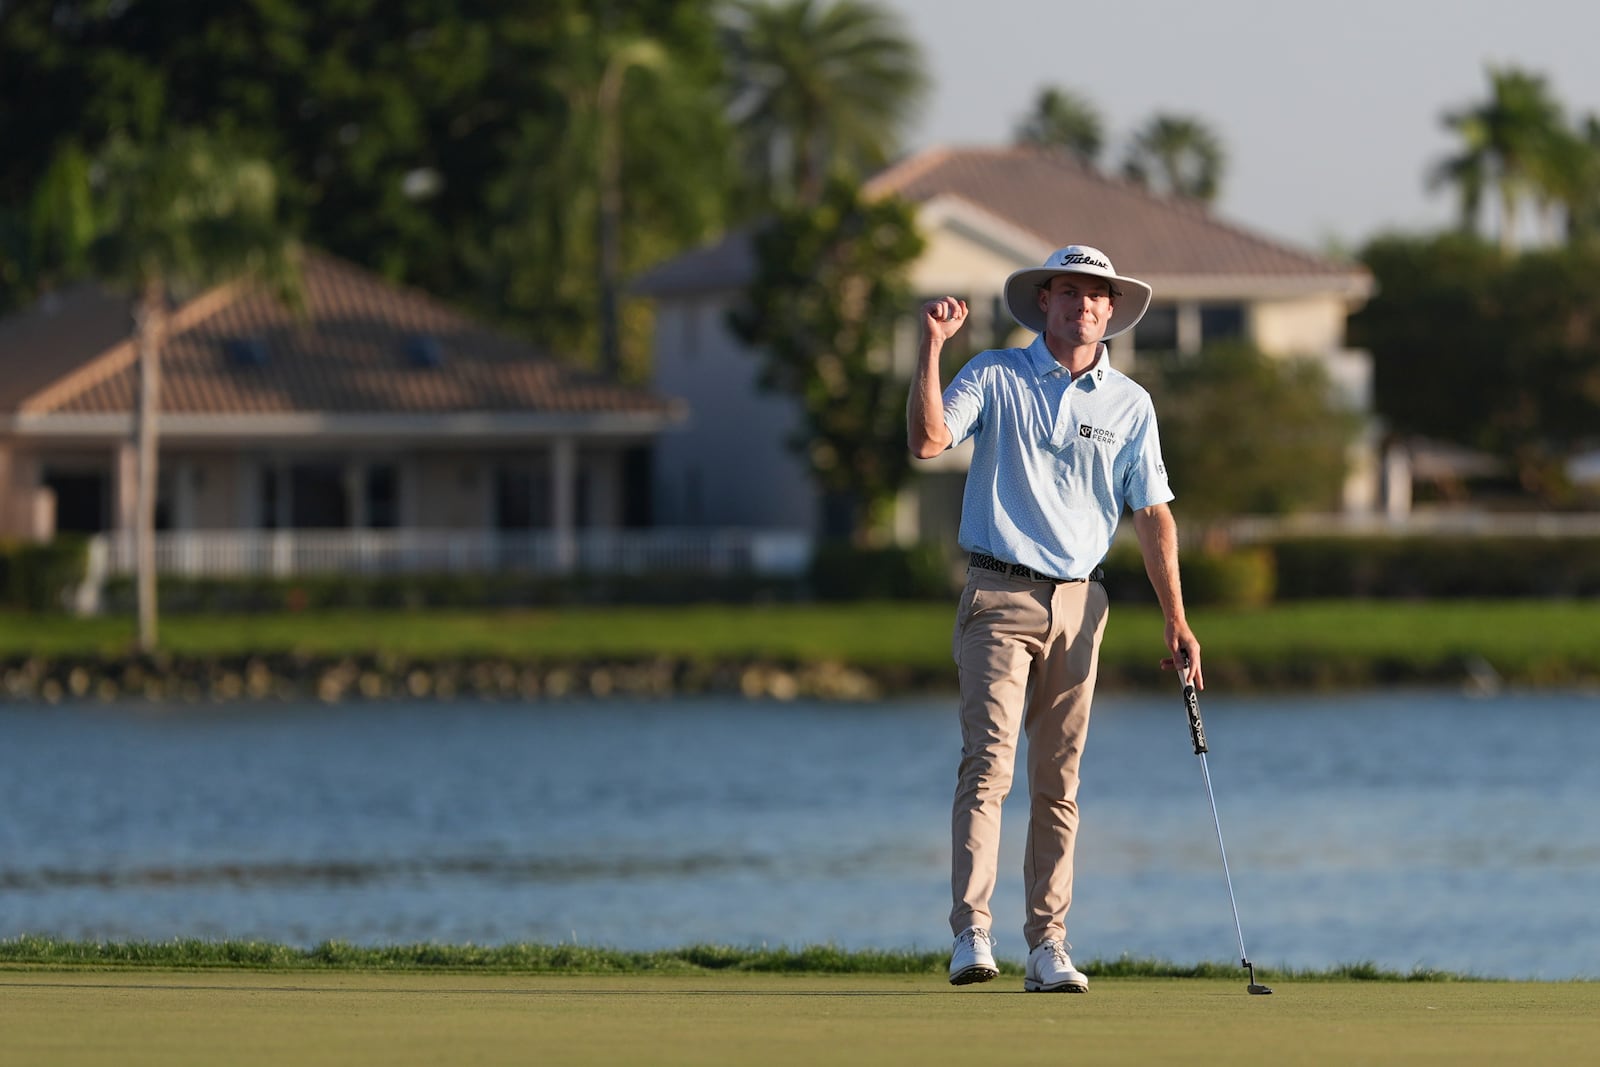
{"type": "Point", "coordinates": [955, 264]}
{"type": "Point", "coordinates": [1298, 327]}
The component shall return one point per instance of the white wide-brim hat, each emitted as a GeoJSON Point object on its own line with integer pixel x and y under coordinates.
{"type": "Point", "coordinates": [1130, 296]}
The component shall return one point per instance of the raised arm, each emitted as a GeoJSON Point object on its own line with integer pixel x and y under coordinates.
{"type": "Point", "coordinates": [1158, 543]}
{"type": "Point", "coordinates": [925, 429]}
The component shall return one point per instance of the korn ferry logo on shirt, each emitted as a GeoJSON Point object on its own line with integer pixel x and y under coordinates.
{"type": "Point", "coordinates": [1099, 437]}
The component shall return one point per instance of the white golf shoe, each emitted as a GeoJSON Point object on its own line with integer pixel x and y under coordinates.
{"type": "Point", "coordinates": [1050, 970]}
{"type": "Point", "coordinates": [972, 959]}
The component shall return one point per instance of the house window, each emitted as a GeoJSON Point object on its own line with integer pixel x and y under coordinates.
{"type": "Point", "coordinates": [317, 496]}
{"type": "Point", "coordinates": [383, 497]}
{"type": "Point", "coordinates": [312, 495]}
{"type": "Point", "coordinates": [1158, 330]}
{"type": "Point", "coordinates": [1220, 323]}
{"type": "Point", "coordinates": [83, 500]}
{"type": "Point", "coordinates": [269, 498]}
{"type": "Point", "coordinates": [164, 497]}
{"type": "Point", "coordinates": [521, 499]}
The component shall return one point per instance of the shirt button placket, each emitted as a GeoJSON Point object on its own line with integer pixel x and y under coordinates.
{"type": "Point", "coordinates": [1061, 432]}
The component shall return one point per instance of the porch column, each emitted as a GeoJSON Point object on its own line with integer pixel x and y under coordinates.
{"type": "Point", "coordinates": [1189, 339]}
{"type": "Point", "coordinates": [124, 494]}
{"type": "Point", "coordinates": [563, 494]}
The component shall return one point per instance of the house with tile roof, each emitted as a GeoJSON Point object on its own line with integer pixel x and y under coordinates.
{"type": "Point", "coordinates": [374, 418]}
{"type": "Point", "coordinates": [984, 212]}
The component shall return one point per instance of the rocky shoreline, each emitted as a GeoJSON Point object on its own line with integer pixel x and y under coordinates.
{"type": "Point", "coordinates": [335, 679]}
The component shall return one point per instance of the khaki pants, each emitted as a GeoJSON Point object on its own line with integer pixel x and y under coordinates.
{"type": "Point", "coordinates": [1027, 654]}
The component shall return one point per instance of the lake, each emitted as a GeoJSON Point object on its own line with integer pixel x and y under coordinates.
{"type": "Point", "coordinates": [1409, 829]}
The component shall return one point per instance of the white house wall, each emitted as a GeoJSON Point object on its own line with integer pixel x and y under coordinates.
{"type": "Point", "coordinates": [728, 463]}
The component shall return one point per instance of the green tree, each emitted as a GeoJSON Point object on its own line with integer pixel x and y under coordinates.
{"type": "Point", "coordinates": [829, 289]}
{"type": "Point", "coordinates": [1576, 180]}
{"type": "Point", "coordinates": [1497, 354]}
{"type": "Point", "coordinates": [452, 146]}
{"type": "Point", "coordinates": [1063, 119]}
{"type": "Point", "coordinates": [818, 89]}
{"type": "Point", "coordinates": [1250, 434]}
{"type": "Point", "coordinates": [1176, 155]}
{"type": "Point", "coordinates": [174, 218]}
{"type": "Point", "coordinates": [1510, 143]}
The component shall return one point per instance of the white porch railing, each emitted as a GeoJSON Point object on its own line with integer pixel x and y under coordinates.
{"type": "Point", "coordinates": [287, 553]}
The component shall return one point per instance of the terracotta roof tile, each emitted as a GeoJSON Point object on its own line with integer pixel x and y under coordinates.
{"type": "Point", "coordinates": [1051, 194]}
{"type": "Point", "coordinates": [346, 354]}
{"type": "Point", "coordinates": [57, 336]}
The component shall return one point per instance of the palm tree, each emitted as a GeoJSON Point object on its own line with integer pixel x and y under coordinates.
{"type": "Point", "coordinates": [176, 217]}
{"type": "Point", "coordinates": [1063, 119]}
{"type": "Point", "coordinates": [1509, 142]}
{"type": "Point", "coordinates": [1572, 177]}
{"type": "Point", "coordinates": [1176, 155]}
{"type": "Point", "coordinates": [817, 89]}
{"type": "Point", "coordinates": [639, 52]}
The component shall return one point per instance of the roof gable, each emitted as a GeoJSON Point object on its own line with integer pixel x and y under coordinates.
{"type": "Point", "coordinates": [1062, 201]}
{"type": "Point", "coordinates": [353, 350]}
{"type": "Point", "coordinates": [1040, 199]}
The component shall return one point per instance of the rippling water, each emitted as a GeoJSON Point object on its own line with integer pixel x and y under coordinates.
{"type": "Point", "coordinates": [1408, 829]}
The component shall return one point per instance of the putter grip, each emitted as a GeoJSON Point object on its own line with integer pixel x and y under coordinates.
{"type": "Point", "coordinates": [1197, 729]}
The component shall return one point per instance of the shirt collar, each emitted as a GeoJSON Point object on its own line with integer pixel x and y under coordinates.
{"type": "Point", "coordinates": [1044, 364]}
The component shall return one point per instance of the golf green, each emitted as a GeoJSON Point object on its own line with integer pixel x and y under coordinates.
{"type": "Point", "coordinates": [178, 1018]}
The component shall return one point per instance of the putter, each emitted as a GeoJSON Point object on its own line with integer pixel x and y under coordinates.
{"type": "Point", "coordinates": [1197, 734]}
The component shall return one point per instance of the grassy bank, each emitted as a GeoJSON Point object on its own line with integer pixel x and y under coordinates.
{"type": "Point", "coordinates": [567, 959]}
{"type": "Point", "coordinates": [1327, 643]}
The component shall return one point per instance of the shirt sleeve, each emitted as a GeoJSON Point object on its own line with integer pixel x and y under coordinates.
{"type": "Point", "coordinates": [964, 400]}
{"type": "Point", "coordinates": [1145, 483]}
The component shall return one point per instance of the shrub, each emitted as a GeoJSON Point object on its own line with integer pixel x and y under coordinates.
{"type": "Point", "coordinates": [37, 576]}
{"type": "Point", "coordinates": [1241, 578]}
{"type": "Point", "coordinates": [841, 571]}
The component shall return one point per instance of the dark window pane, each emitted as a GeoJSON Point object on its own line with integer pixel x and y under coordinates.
{"type": "Point", "coordinates": [1158, 330]}
{"type": "Point", "coordinates": [269, 498]}
{"type": "Point", "coordinates": [1220, 322]}
{"type": "Point", "coordinates": [383, 498]}
{"type": "Point", "coordinates": [316, 496]}
{"type": "Point", "coordinates": [82, 501]}
{"type": "Point", "coordinates": [522, 499]}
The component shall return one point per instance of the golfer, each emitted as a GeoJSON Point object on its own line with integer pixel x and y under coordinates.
{"type": "Point", "coordinates": [1063, 442]}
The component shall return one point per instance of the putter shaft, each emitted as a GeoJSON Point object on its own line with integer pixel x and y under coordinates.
{"type": "Point", "coordinates": [1197, 737]}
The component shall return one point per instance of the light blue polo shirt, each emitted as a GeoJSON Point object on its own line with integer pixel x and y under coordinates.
{"type": "Point", "coordinates": [1055, 460]}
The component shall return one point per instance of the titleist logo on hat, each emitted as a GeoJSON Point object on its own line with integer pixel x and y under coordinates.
{"type": "Point", "coordinates": [1075, 256]}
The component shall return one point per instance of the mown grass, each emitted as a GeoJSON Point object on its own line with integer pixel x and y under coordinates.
{"type": "Point", "coordinates": [311, 1019]}
{"type": "Point", "coordinates": [526, 958]}
{"type": "Point", "coordinates": [1536, 642]}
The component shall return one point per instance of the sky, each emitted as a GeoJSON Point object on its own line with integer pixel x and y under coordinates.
{"type": "Point", "coordinates": [1330, 113]}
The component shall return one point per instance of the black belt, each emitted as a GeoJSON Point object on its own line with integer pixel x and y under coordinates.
{"type": "Point", "coordinates": [984, 561]}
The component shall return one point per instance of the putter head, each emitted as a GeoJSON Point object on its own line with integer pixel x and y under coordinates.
{"type": "Point", "coordinates": [1256, 989]}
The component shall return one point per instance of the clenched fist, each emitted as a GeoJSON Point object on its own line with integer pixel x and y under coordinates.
{"type": "Point", "coordinates": [943, 317]}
